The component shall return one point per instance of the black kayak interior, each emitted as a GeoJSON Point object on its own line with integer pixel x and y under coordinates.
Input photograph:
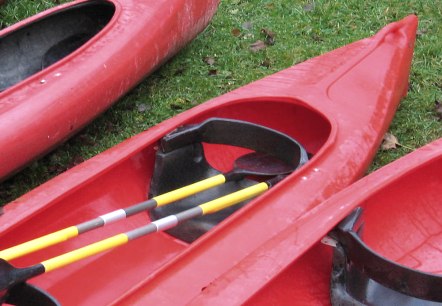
{"type": "Point", "coordinates": [40, 43]}
{"type": "Point", "coordinates": [24, 294]}
{"type": "Point", "coordinates": [181, 160]}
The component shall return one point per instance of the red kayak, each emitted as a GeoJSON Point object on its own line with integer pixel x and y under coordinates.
{"type": "Point", "coordinates": [388, 250]}
{"type": "Point", "coordinates": [62, 68]}
{"type": "Point", "coordinates": [332, 110]}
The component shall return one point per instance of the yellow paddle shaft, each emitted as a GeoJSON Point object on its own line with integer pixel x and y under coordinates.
{"type": "Point", "coordinates": [84, 252]}
{"type": "Point", "coordinates": [39, 243]}
{"type": "Point", "coordinates": [120, 239]}
{"type": "Point", "coordinates": [73, 231]}
{"type": "Point", "coordinates": [233, 198]}
{"type": "Point", "coordinates": [189, 190]}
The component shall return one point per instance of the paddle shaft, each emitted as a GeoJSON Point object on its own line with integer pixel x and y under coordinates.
{"type": "Point", "coordinates": [156, 226]}
{"type": "Point", "coordinates": [73, 231]}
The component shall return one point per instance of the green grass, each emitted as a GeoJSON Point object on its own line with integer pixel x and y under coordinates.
{"type": "Point", "coordinates": [303, 30]}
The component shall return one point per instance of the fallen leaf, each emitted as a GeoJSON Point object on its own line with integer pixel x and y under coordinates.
{"type": "Point", "coordinates": [267, 32]}
{"type": "Point", "coordinates": [213, 72]}
{"type": "Point", "coordinates": [421, 32]}
{"type": "Point", "coordinates": [309, 7]}
{"type": "Point", "coordinates": [180, 71]}
{"type": "Point", "coordinates": [389, 142]}
{"type": "Point", "coordinates": [56, 169]}
{"type": "Point", "coordinates": [270, 36]}
{"type": "Point", "coordinates": [257, 46]}
{"type": "Point", "coordinates": [110, 127]}
{"type": "Point", "coordinates": [236, 32]}
{"type": "Point", "coordinates": [76, 160]}
{"type": "Point", "coordinates": [266, 63]}
{"type": "Point", "coordinates": [270, 5]}
{"type": "Point", "coordinates": [438, 108]}
{"type": "Point", "coordinates": [179, 104]}
{"type": "Point", "coordinates": [247, 25]}
{"type": "Point", "coordinates": [86, 140]}
{"type": "Point", "coordinates": [144, 108]}
{"type": "Point", "coordinates": [316, 37]}
{"type": "Point", "coordinates": [209, 60]}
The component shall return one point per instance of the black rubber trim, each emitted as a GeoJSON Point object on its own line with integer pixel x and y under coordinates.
{"type": "Point", "coordinates": [372, 266]}
{"type": "Point", "coordinates": [237, 133]}
{"type": "Point", "coordinates": [181, 161]}
{"type": "Point", "coordinates": [25, 294]}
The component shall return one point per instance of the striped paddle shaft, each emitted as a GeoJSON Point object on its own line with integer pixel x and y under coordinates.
{"type": "Point", "coordinates": [156, 226]}
{"type": "Point", "coordinates": [73, 231]}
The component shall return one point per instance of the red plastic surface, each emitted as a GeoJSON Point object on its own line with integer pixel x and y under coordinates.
{"type": "Point", "coordinates": [402, 222]}
{"type": "Point", "coordinates": [337, 105]}
{"type": "Point", "coordinates": [48, 107]}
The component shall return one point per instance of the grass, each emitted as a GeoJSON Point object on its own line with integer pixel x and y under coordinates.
{"type": "Point", "coordinates": [302, 30]}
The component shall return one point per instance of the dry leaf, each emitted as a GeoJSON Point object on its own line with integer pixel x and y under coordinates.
{"type": "Point", "coordinates": [389, 142]}
{"type": "Point", "coordinates": [316, 37]}
{"type": "Point", "coordinates": [247, 25]}
{"type": "Point", "coordinates": [209, 60]}
{"type": "Point", "coordinates": [270, 36]}
{"type": "Point", "coordinates": [142, 108]}
{"type": "Point", "coordinates": [180, 71]}
{"type": "Point", "coordinates": [309, 7]}
{"type": "Point", "coordinates": [438, 108]}
{"type": "Point", "coordinates": [421, 32]}
{"type": "Point", "coordinates": [76, 160]}
{"type": "Point", "coordinates": [270, 5]}
{"type": "Point", "coordinates": [85, 140]}
{"type": "Point", "coordinates": [266, 63]}
{"type": "Point", "coordinates": [257, 46]}
{"type": "Point", "coordinates": [236, 32]}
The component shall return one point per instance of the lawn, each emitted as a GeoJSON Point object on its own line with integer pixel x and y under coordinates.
{"type": "Point", "coordinates": [221, 59]}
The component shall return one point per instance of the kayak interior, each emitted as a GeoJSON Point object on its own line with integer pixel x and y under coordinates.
{"type": "Point", "coordinates": [42, 42]}
{"type": "Point", "coordinates": [125, 181]}
{"type": "Point", "coordinates": [401, 236]}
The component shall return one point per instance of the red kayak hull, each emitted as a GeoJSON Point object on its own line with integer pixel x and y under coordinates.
{"type": "Point", "coordinates": [402, 223]}
{"type": "Point", "coordinates": [337, 105]}
{"type": "Point", "coordinates": [49, 106]}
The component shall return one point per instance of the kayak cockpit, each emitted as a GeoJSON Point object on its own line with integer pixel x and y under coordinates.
{"type": "Point", "coordinates": [182, 152]}
{"type": "Point", "coordinates": [390, 246]}
{"type": "Point", "coordinates": [127, 175]}
{"type": "Point", "coordinates": [42, 42]}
